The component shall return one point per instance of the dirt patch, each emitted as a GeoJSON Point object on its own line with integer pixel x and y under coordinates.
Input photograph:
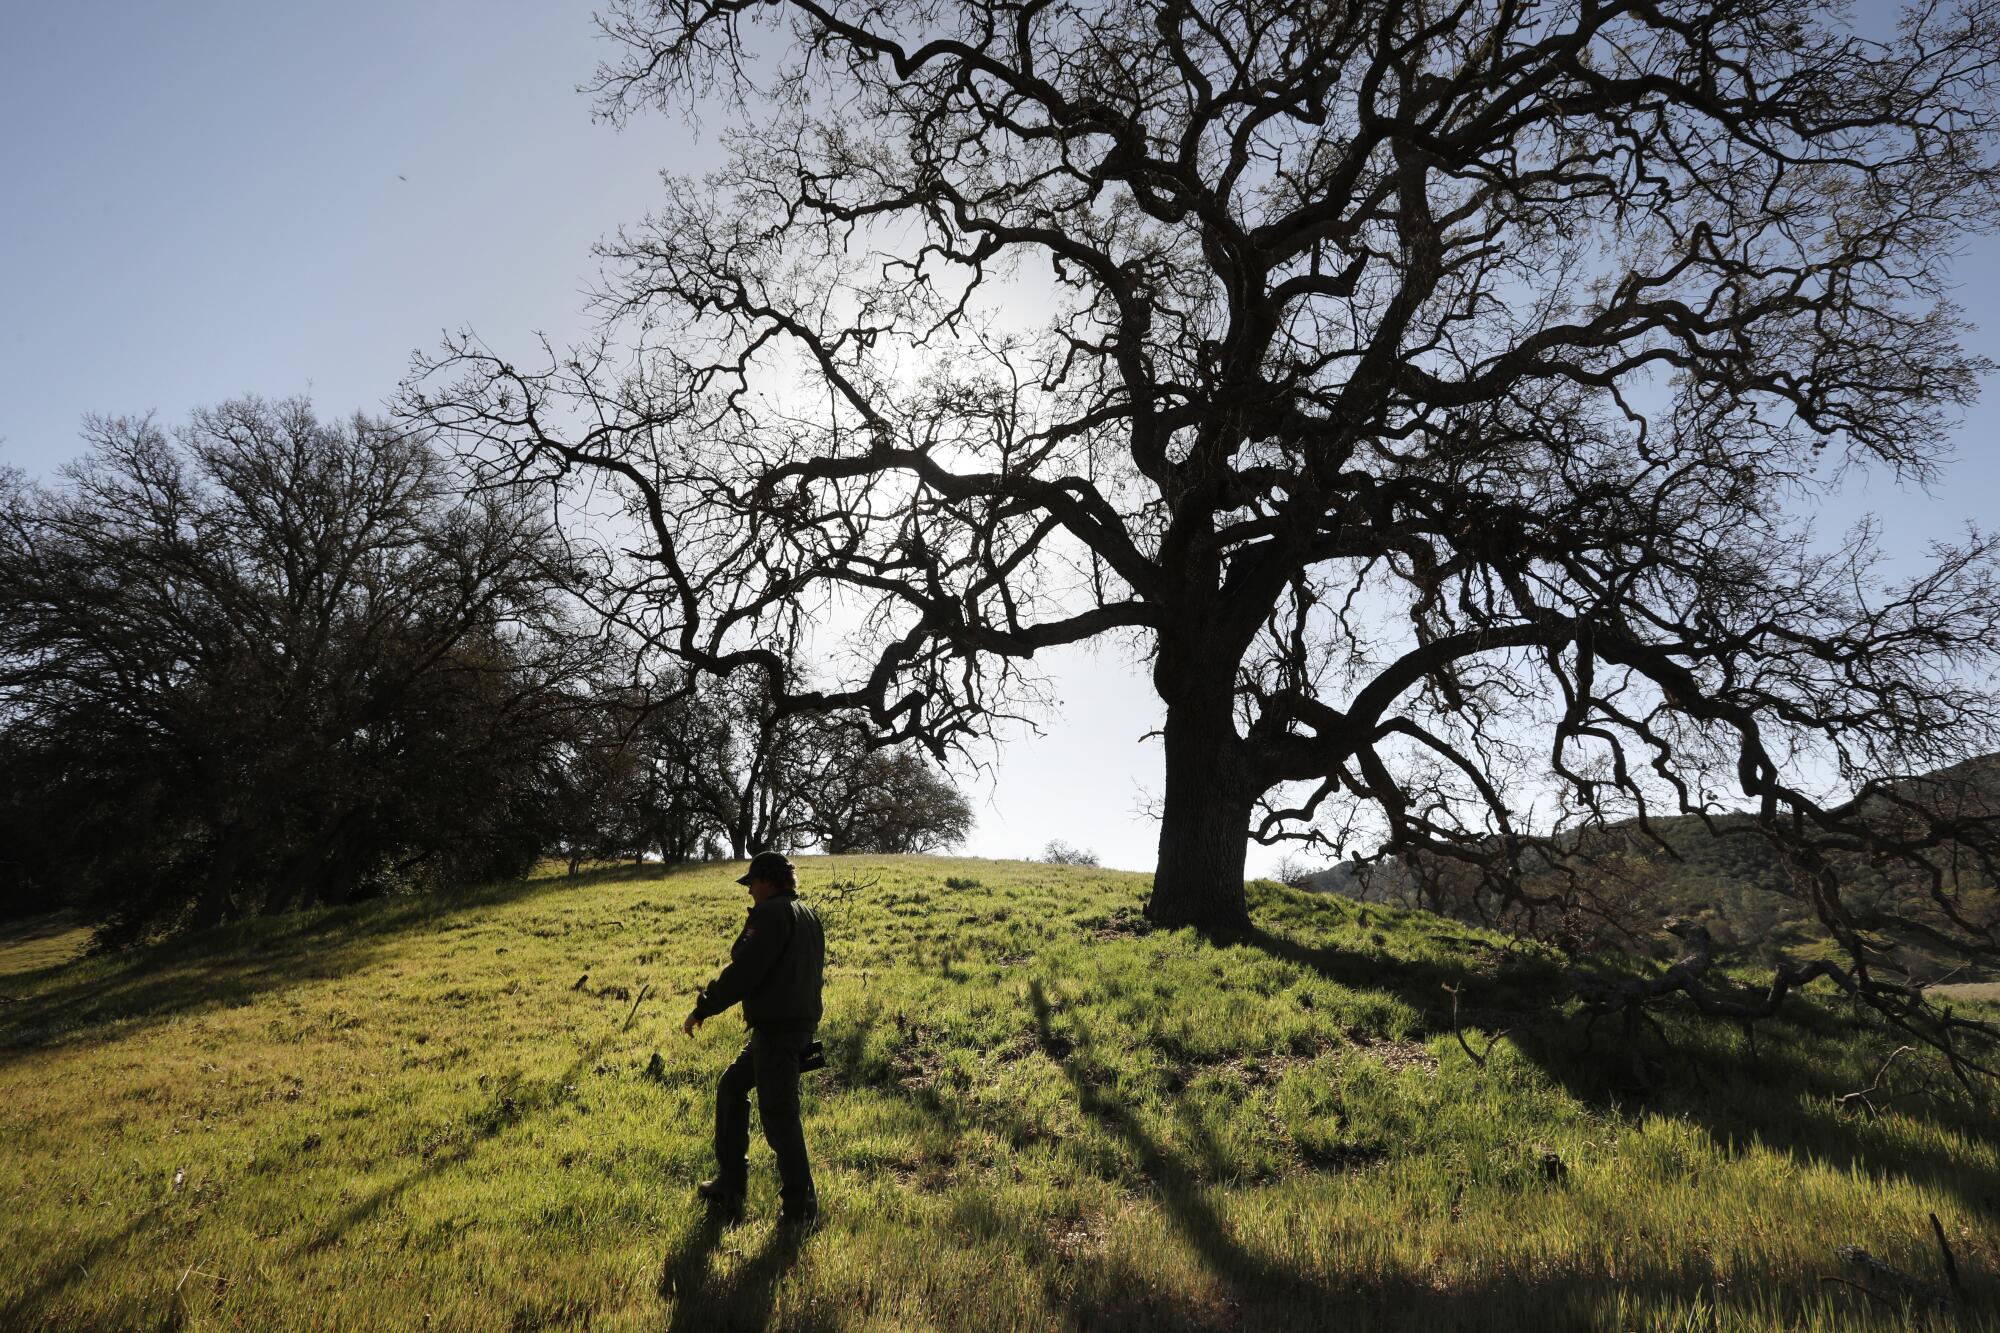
{"type": "Point", "coordinates": [1338, 1157]}
{"type": "Point", "coordinates": [1255, 1071]}
{"type": "Point", "coordinates": [916, 1059]}
{"type": "Point", "coordinates": [931, 1173]}
{"type": "Point", "coordinates": [1263, 1069]}
{"type": "Point", "coordinates": [1125, 923]}
{"type": "Point", "coordinates": [1398, 1055]}
{"type": "Point", "coordinates": [1072, 1239]}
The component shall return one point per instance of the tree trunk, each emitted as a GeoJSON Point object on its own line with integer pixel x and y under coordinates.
{"type": "Point", "coordinates": [284, 890]}
{"type": "Point", "coordinates": [340, 874]}
{"type": "Point", "coordinates": [1205, 823]}
{"type": "Point", "coordinates": [304, 868]}
{"type": "Point", "coordinates": [218, 890]}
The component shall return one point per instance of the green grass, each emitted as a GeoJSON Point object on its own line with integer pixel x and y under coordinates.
{"type": "Point", "coordinates": [44, 942]}
{"type": "Point", "coordinates": [1986, 992]}
{"type": "Point", "coordinates": [1039, 1115]}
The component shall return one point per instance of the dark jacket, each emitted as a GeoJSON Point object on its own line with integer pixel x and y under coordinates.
{"type": "Point", "coordinates": [776, 967]}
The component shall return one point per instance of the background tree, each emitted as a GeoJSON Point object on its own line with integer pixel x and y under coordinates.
{"type": "Point", "coordinates": [1425, 386]}
{"type": "Point", "coordinates": [268, 661]}
{"type": "Point", "coordinates": [885, 801]}
{"type": "Point", "coordinates": [766, 757]}
{"type": "Point", "coordinates": [685, 767]}
{"type": "Point", "coordinates": [770, 774]}
{"type": "Point", "coordinates": [641, 775]}
{"type": "Point", "coordinates": [1059, 853]}
{"type": "Point", "coordinates": [681, 797]}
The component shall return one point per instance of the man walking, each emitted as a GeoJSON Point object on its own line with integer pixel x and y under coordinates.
{"type": "Point", "coordinates": [775, 971]}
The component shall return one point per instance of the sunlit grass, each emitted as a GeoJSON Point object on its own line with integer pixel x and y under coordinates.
{"type": "Point", "coordinates": [44, 942]}
{"type": "Point", "coordinates": [1039, 1115]}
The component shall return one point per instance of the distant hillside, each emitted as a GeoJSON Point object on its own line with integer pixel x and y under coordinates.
{"type": "Point", "coordinates": [472, 1113]}
{"type": "Point", "coordinates": [1730, 879]}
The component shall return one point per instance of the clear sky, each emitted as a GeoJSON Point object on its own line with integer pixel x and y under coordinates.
{"type": "Point", "coordinates": [216, 197]}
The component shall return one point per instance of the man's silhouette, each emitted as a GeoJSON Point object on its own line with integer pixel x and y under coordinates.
{"type": "Point", "coordinates": [776, 969]}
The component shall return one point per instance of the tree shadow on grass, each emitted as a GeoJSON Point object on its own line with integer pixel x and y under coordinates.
{"type": "Point", "coordinates": [1254, 1283]}
{"type": "Point", "coordinates": [1181, 1190]}
{"type": "Point", "coordinates": [227, 967]}
{"type": "Point", "coordinates": [1261, 1291]}
{"type": "Point", "coordinates": [1739, 1090]}
{"type": "Point", "coordinates": [1523, 988]}
{"type": "Point", "coordinates": [1775, 1095]}
{"type": "Point", "coordinates": [510, 1105]}
{"type": "Point", "coordinates": [67, 1269]}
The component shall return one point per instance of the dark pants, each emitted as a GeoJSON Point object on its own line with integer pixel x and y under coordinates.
{"type": "Point", "coordinates": [769, 1063]}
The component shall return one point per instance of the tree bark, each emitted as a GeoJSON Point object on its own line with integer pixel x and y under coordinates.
{"type": "Point", "coordinates": [1205, 823]}
{"type": "Point", "coordinates": [283, 891]}
{"type": "Point", "coordinates": [340, 875]}
{"type": "Point", "coordinates": [218, 891]}
{"type": "Point", "coordinates": [307, 868]}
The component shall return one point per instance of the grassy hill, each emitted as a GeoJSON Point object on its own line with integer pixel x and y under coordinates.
{"type": "Point", "coordinates": [1726, 877]}
{"type": "Point", "coordinates": [412, 1114]}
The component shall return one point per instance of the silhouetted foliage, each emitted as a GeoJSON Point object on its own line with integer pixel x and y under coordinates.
{"type": "Point", "coordinates": [885, 801]}
{"type": "Point", "coordinates": [696, 767]}
{"type": "Point", "coordinates": [267, 661]}
{"type": "Point", "coordinates": [1613, 886]}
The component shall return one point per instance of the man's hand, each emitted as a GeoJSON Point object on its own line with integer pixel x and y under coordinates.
{"type": "Point", "coordinates": [690, 1025]}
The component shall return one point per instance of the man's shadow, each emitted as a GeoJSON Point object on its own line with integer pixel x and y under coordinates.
{"type": "Point", "coordinates": [704, 1299]}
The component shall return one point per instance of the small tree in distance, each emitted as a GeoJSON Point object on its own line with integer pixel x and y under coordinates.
{"type": "Point", "coordinates": [1424, 387]}
{"type": "Point", "coordinates": [889, 801]}
{"type": "Point", "coordinates": [1293, 870]}
{"type": "Point", "coordinates": [1060, 853]}
{"type": "Point", "coordinates": [684, 768]}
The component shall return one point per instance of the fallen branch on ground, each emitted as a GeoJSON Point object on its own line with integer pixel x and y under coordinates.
{"type": "Point", "coordinates": [1911, 1288]}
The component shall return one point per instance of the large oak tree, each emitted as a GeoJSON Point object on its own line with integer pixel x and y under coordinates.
{"type": "Point", "coordinates": [1427, 388]}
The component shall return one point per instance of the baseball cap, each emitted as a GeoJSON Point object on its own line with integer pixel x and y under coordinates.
{"type": "Point", "coordinates": [765, 865]}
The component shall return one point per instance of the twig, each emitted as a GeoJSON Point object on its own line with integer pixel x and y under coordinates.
{"type": "Point", "coordinates": [644, 991]}
{"type": "Point", "coordinates": [1912, 1287]}
{"type": "Point", "coordinates": [580, 980]}
{"type": "Point", "coordinates": [1950, 1264]}
{"type": "Point", "coordinates": [1849, 1282]}
{"type": "Point", "coordinates": [1861, 1094]}
{"type": "Point", "coordinates": [1477, 1059]}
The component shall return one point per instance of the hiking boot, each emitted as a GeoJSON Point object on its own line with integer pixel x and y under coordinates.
{"type": "Point", "coordinates": [720, 1196]}
{"type": "Point", "coordinates": [804, 1216]}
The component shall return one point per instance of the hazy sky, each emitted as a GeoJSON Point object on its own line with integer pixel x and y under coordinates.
{"type": "Point", "coordinates": [204, 199]}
